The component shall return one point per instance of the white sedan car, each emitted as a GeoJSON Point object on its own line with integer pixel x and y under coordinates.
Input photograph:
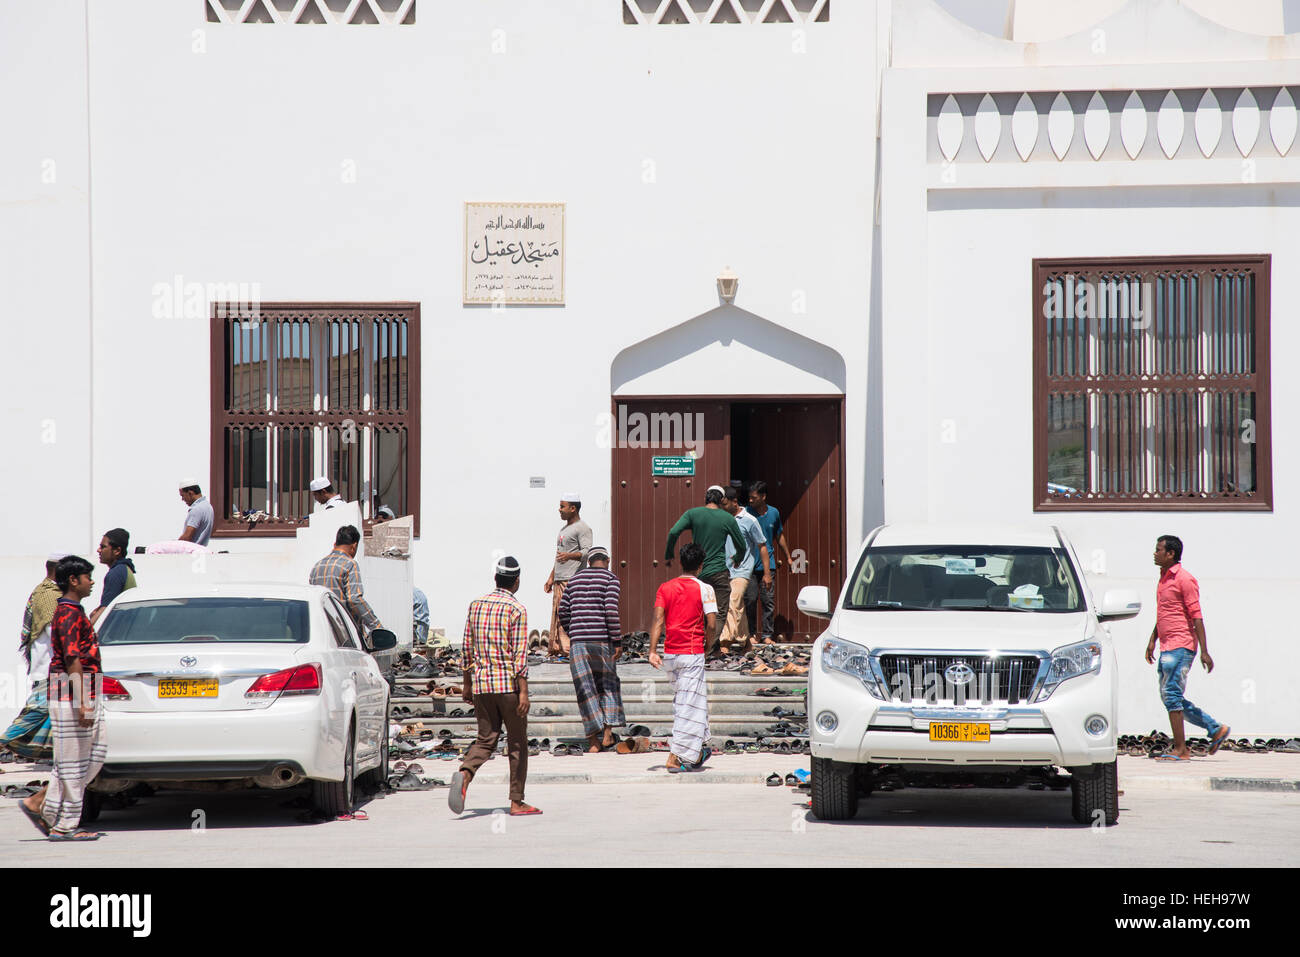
{"type": "Point", "coordinates": [259, 685]}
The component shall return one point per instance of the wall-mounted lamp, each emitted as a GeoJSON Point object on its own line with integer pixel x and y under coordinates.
{"type": "Point", "coordinates": [727, 283]}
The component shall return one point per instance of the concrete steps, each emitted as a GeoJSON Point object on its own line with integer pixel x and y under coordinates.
{"type": "Point", "coordinates": [734, 711]}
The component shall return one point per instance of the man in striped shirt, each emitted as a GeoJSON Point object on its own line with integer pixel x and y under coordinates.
{"type": "Point", "coordinates": [496, 684]}
{"type": "Point", "coordinates": [339, 572]}
{"type": "Point", "coordinates": [589, 613]}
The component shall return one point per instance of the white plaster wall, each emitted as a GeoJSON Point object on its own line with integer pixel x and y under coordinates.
{"type": "Point", "coordinates": [45, 361]}
{"type": "Point", "coordinates": [958, 354]}
{"type": "Point", "coordinates": [980, 380]}
{"type": "Point", "coordinates": [678, 150]}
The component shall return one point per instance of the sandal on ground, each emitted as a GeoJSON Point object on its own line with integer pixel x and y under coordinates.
{"type": "Point", "coordinates": [525, 810]}
{"type": "Point", "coordinates": [77, 835]}
{"type": "Point", "coordinates": [774, 780]}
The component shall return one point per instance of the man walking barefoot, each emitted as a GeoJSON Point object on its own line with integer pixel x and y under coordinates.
{"type": "Point", "coordinates": [1181, 630]}
{"type": "Point", "coordinates": [570, 552]}
{"type": "Point", "coordinates": [589, 614]}
{"type": "Point", "coordinates": [496, 684]}
{"type": "Point", "coordinates": [686, 611]}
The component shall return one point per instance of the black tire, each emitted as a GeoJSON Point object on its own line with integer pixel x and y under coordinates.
{"type": "Point", "coordinates": [91, 805]}
{"type": "Point", "coordinates": [834, 791]}
{"type": "Point", "coordinates": [376, 779]}
{"type": "Point", "coordinates": [333, 798]}
{"type": "Point", "coordinates": [1095, 791]}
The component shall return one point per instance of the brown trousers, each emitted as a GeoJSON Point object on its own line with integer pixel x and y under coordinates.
{"type": "Point", "coordinates": [492, 711]}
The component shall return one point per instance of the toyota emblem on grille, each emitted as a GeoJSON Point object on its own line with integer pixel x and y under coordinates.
{"type": "Point", "coordinates": [958, 674]}
{"type": "Point", "coordinates": [189, 661]}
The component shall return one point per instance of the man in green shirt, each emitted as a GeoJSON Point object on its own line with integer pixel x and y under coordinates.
{"type": "Point", "coordinates": [710, 527]}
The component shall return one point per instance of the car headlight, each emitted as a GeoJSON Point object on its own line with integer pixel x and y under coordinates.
{"type": "Point", "coordinates": [852, 660]}
{"type": "Point", "coordinates": [1069, 662]}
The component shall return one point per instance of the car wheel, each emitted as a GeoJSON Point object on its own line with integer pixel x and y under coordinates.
{"type": "Point", "coordinates": [333, 798]}
{"type": "Point", "coordinates": [91, 805]}
{"type": "Point", "coordinates": [1096, 790]}
{"type": "Point", "coordinates": [376, 779]}
{"type": "Point", "coordinates": [834, 791]}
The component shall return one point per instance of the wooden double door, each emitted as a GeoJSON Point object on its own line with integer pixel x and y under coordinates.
{"type": "Point", "coordinates": [793, 444]}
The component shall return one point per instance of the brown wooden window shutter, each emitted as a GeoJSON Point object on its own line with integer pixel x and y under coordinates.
{"type": "Point", "coordinates": [302, 389]}
{"type": "Point", "coordinates": [1151, 384]}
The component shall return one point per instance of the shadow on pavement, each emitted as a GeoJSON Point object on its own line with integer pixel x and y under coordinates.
{"type": "Point", "coordinates": [963, 808]}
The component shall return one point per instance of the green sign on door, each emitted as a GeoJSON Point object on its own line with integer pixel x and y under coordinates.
{"type": "Point", "coordinates": [673, 465]}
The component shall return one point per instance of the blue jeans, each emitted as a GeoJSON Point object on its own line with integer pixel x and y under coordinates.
{"type": "Point", "coordinates": [1173, 669]}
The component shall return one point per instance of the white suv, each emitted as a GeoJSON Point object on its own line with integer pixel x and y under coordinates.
{"type": "Point", "coordinates": [964, 650]}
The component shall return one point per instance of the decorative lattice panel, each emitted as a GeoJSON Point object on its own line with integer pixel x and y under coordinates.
{"type": "Point", "coordinates": [1088, 125]}
{"type": "Point", "coordinates": [380, 12]}
{"type": "Point", "coordinates": [646, 12]}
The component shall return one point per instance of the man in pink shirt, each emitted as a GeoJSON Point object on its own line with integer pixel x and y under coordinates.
{"type": "Point", "coordinates": [1181, 630]}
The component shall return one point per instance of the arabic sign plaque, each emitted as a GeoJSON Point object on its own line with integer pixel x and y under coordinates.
{"type": "Point", "coordinates": [514, 253]}
{"type": "Point", "coordinates": [674, 465]}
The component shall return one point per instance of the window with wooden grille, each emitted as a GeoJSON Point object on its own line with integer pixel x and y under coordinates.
{"type": "Point", "coordinates": [1151, 384]}
{"type": "Point", "coordinates": [309, 389]}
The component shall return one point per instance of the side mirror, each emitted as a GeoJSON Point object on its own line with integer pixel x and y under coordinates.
{"type": "Point", "coordinates": [814, 600]}
{"type": "Point", "coordinates": [1119, 604]}
{"type": "Point", "coordinates": [381, 639]}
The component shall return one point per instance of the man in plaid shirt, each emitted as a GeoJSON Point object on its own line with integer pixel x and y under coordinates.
{"type": "Point", "coordinates": [339, 572]}
{"type": "Point", "coordinates": [496, 684]}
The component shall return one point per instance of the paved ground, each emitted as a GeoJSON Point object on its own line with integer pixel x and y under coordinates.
{"type": "Point", "coordinates": [650, 820]}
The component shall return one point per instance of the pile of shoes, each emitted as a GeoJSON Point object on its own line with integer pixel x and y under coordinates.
{"type": "Point", "coordinates": [1158, 743]}
{"type": "Point", "coordinates": [432, 663]}
{"type": "Point", "coordinates": [783, 660]}
{"type": "Point", "coordinates": [636, 647]}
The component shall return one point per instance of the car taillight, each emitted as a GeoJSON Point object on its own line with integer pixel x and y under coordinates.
{"type": "Point", "coordinates": [300, 679]}
{"type": "Point", "coordinates": [114, 690]}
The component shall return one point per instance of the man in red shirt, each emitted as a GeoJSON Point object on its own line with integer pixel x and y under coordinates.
{"type": "Point", "coordinates": [686, 610]}
{"type": "Point", "coordinates": [1181, 630]}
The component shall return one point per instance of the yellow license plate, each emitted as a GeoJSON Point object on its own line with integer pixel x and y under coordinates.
{"type": "Point", "coordinates": [958, 731]}
{"type": "Point", "coordinates": [187, 687]}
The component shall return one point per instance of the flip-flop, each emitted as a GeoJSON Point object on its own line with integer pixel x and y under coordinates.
{"type": "Point", "coordinates": [774, 780]}
{"type": "Point", "coordinates": [791, 780]}
{"type": "Point", "coordinates": [354, 816]}
{"type": "Point", "coordinates": [456, 796]}
{"type": "Point", "coordinates": [1170, 756]}
{"type": "Point", "coordinates": [36, 819]}
{"type": "Point", "coordinates": [77, 835]}
{"type": "Point", "coordinates": [527, 809]}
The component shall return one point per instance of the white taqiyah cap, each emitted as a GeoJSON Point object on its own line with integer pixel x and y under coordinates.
{"type": "Point", "coordinates": [385, 510]}
{"type": "Point", "coordinates": [718, 487]}
{"type": "Point", "coordinates": [57, 556]}
{"type": "Point", "coordinates": [509, 565]}
{"type": "Point", "coordinates": [319, 484]}
{"type": "Point", "coordinates": [188, 482]}
{"type": "Point", "coordinates": [572, 498]}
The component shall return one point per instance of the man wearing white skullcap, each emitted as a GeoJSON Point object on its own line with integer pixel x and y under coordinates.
{"type": "Point", "coordinates": [496, 684]}
{"type": "Point", "coordinates": [570, 554]}
{"type": "Point", "coordinates": [323, 492]}
{"type": "Point", "coordinates": [199, 519]}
